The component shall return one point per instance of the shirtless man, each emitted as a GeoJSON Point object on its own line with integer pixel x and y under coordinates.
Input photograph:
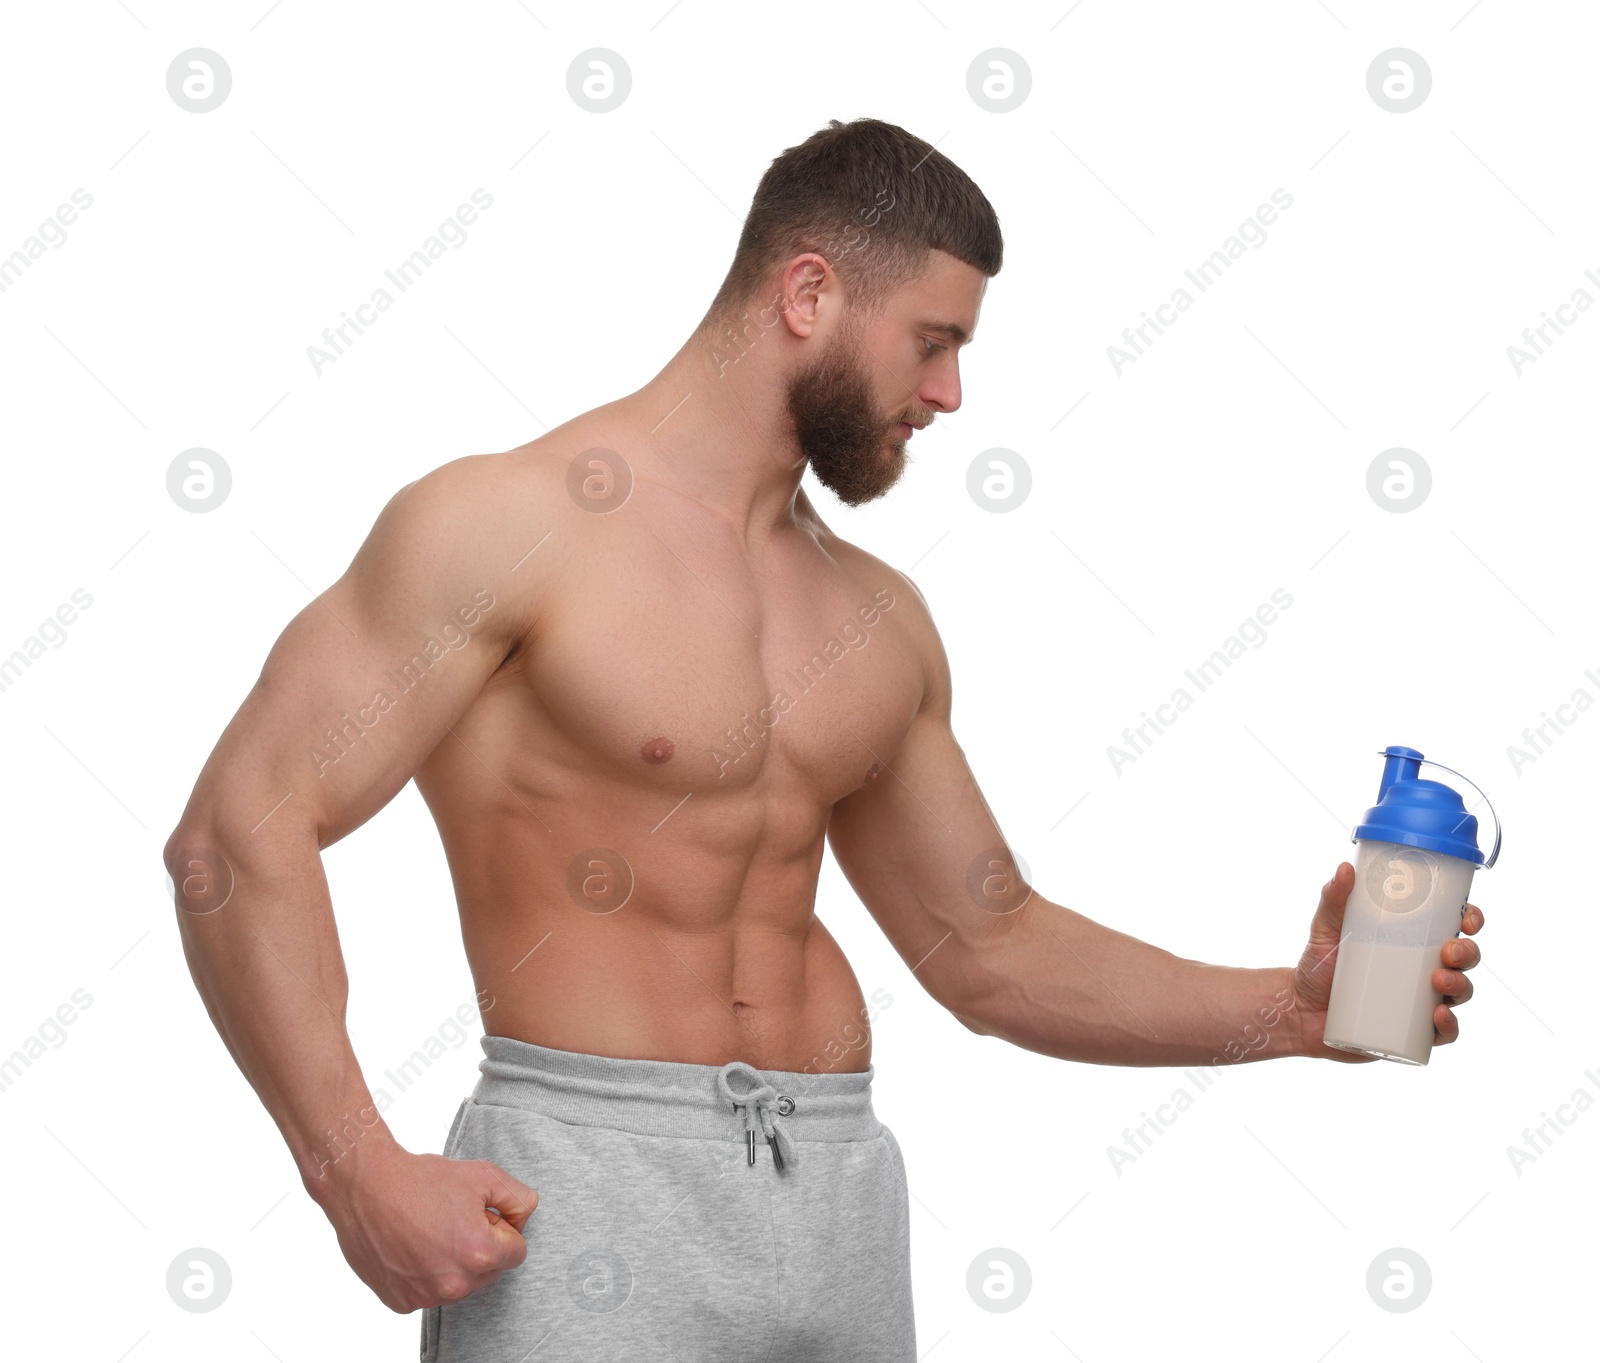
{"type": "Point", "coordinates": [638, 682]}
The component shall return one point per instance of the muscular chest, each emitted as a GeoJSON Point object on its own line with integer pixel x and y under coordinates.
{"type": "Point", "coordinates": [698, 679]}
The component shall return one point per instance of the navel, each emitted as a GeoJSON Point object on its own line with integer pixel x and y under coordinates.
{"type": "Point", "coordinates": [657, 750]}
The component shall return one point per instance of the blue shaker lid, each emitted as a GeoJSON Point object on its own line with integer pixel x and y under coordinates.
{"type": "Point", "coordinates": [1416, 812]}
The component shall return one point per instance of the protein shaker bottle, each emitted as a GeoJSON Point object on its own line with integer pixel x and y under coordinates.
{"type": "Point", "coordinates": [1417, 850]}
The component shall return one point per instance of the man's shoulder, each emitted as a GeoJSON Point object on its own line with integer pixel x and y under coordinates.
{"type": "Point", "coordinates": [872, 573]}
{"type": "Point", "coordinates": [479, 505]}
{"type": "Point", "coordinates": [471, 525]}
{"type": "Point", "coordinates": [894, 591]}
{"type": "Point", "coordinates": [491, 484]}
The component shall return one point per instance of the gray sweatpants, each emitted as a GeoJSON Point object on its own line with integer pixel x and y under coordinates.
{"type": "Point", "coordinates": [657, 1238]}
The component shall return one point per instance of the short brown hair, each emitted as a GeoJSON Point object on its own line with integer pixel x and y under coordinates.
{"type": "Point", "coordinates": [871, 198]}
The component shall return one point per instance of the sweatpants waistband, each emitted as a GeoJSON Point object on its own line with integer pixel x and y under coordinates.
{"type": "Point", "coordinates": [666, 1097]}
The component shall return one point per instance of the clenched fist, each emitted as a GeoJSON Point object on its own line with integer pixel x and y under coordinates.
{"type": "Point", "coordinates": [422, 1230]}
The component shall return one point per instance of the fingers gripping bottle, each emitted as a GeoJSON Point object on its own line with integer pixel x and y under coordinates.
{"type": "Point", "coordinates": [1417, 850]}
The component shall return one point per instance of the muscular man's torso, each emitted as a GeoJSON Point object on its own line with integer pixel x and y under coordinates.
{"type": "Point", "coordinates": [635, 806]}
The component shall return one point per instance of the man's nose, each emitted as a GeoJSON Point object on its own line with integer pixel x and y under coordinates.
{"type": "Point", "coordinates": [942, 394]}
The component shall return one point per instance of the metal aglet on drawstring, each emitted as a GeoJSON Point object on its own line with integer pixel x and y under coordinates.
{"type": "Point", "coordinates": [762, 1107]}
{"type": "Point", "coordinates": [750, 1148]}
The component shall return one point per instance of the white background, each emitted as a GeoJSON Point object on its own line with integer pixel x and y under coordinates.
{"type": "Point", "coordinates": [1229, 460]}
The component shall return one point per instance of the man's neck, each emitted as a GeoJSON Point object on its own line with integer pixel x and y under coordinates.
{"type": "Point", "coordinates": [719, 432]}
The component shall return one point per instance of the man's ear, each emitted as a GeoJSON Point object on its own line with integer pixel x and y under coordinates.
{"type": "Point", "coordinates": [809, 289]}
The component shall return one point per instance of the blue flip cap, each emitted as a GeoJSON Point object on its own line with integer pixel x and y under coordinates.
{"type": "Point", "coordinates": [1416, 812]}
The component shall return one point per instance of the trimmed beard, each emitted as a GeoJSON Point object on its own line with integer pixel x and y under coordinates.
{"type": "Point", "coordinates": [838, 427]}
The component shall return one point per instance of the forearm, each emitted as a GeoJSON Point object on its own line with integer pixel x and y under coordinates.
{"type": "Point", "coordinates": [1059, 983]}
{"type": "Point", "coordinates": [267, 964]}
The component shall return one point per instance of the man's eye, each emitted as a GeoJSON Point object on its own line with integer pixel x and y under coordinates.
{"type": "Point", "coordinates": [932, 345]}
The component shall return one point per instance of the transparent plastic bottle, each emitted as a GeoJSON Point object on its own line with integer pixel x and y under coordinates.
{"type": "Point", "coordinates": [1418, 849]}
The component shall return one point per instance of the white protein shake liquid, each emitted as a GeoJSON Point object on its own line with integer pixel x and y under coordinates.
{"type": "Point", "coordinates": [1386, 1006]}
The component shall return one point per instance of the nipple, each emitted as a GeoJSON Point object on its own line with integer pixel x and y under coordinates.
{"type": "Point", "coordinates": [657, 750]}
{"type": "Point", "coordinates": [872, 772]}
